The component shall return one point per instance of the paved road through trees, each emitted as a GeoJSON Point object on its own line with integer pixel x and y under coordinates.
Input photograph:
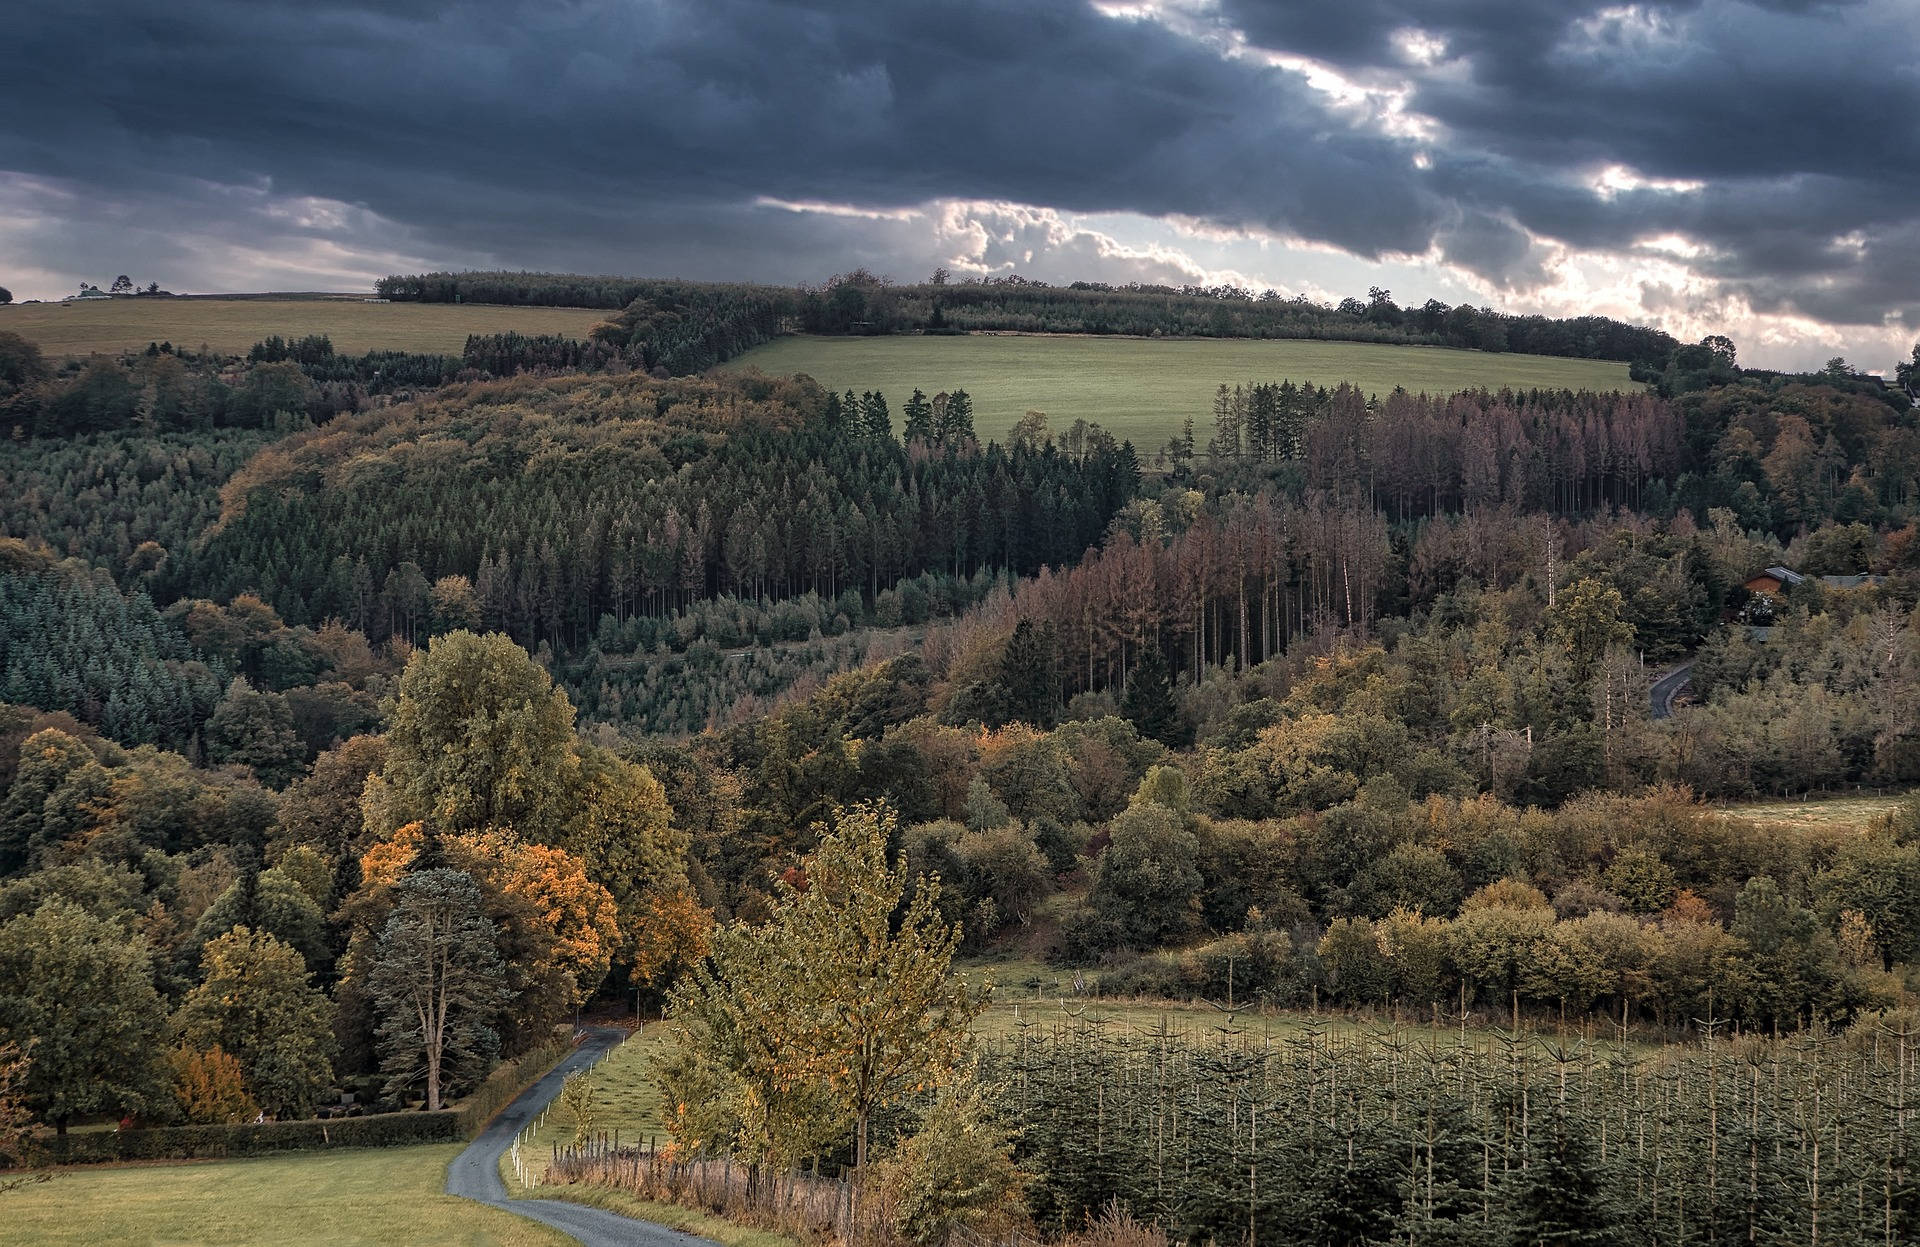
{"type": "Point", "coordinates": [475, 1173]}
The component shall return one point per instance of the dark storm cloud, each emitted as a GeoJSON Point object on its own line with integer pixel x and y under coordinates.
{"type": "Point", "coordinates": [1799, 124]}
{"type": "Point", "coordinates": [640, 133]}
{"type": "Point", "coordinates": [463, 116]}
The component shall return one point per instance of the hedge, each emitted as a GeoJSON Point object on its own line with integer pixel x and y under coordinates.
{"type": "Point", "coordinates": [250, 1139]}
{"type": "Point", "coordinates": [449, 1125]}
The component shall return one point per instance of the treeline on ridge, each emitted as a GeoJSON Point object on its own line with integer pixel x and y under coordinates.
{"type": "Point", "coordinates": [729, 316]}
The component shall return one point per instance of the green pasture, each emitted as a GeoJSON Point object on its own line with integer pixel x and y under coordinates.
{"type": "Point", "coordinates": [626, 1105]}
{"type": "Point", "coordinates": [369, 1198]}
{"type": "Point", "coordinates": [1142, 388]}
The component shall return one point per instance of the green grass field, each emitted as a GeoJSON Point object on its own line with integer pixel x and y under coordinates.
{"type": "Point", "coordinates": [1823, 814]}
{"type": "Point", "coordinates": [1141, 389]}
{"type": "Point", "coordinates": [378, 1196]}
{"type": "Point", "coordinates": [231, 326]}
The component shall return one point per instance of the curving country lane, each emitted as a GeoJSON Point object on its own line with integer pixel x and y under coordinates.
{"type": "Point", "coordinates": [1667, 687]}
{"type": "Point", "coordinates": [475, 1172]}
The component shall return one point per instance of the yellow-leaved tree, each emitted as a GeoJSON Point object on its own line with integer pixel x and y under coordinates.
{"type": "Point", "coordinates": [842, 1004]}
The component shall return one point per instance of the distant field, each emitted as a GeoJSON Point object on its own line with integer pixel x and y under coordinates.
{"type": "Point", "coordinates": [232, 325]}
{"type": "Point", "coordinates": [380, 1196]}
{"type": "Point", "coordinates": [1856, 813]}
{"type": "Point", "coordinates": [1141, 389]}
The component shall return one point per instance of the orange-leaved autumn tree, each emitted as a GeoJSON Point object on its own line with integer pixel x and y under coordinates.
{"type": "Point", "coordinates": [674, 931]}
{"type": "Point", "coordinates": [579, 912]}
{"type": "Point", "coordinates": [547, 886]}
{"type": "Point", "coordinates": [209, 1086]}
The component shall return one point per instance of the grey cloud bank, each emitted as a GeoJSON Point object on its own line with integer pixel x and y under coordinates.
{"type": "Point", "coordinates": [1746, 165]}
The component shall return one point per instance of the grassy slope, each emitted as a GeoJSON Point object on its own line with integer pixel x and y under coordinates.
{"type": "Point", "coordinates": [233, 325]}
{"type": "Point", "coordinates": [1141, 389]}
{"type": "Point", "coordinates": [1824, 813]}
{"type": "Point", "coordinates": [340, 1199]}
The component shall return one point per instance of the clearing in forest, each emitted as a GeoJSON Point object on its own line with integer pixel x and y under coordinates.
{"type": "Point", "coordinates": [1142, 388]}
{"type": "Point", "coordinates": [1819, 814]}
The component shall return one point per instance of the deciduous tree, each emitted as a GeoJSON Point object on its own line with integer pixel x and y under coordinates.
{"type": "Point", "coordinates": [209, 1087]}
{"type": "Point", "coordinates": [256, 1000]}
{"type": "Point", "coordinates": [80, 990]}
{"type": "Point", "coordinates": [481, 738]}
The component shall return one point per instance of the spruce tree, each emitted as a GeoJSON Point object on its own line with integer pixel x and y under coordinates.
{"type": "Point", "coordinates": [959, 425]}
{"type": "Point", "coordinates": [918, 414]}
{"type": "Point", "coordinates": [1030, 670]}
{"type": "Point", "coordinates": [1149, 701]}
{"type": "Point", "coordinates": [1561, 1198]}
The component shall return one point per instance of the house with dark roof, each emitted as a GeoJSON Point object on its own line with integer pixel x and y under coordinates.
{"type": "Point", "coordinates": [1774, 581]}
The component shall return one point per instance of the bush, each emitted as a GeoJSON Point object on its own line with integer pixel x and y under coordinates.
{"type": "Point", "coordinates": [956, 1174]}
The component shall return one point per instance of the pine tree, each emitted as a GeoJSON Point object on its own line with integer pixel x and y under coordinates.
{"type": "Point", "coordinates": [437, 985]}
{"type": "Point", "coordinates": [1030, 670]}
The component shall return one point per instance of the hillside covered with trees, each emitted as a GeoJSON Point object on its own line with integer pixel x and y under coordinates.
{"type": "Point", "coordinates": [618, 686]}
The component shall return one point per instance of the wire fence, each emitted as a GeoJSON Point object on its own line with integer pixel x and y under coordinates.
{"type": "Point", "coordinates": [792, 1202]}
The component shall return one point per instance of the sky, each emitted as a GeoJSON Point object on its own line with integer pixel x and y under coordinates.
{"type": "Point", "coordinates": [1747, 167]}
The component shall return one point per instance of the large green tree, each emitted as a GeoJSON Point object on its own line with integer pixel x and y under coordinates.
{"type": "Point", "coordinates": [80, 990]}
{"type": "Point", "coordinates": [256, 1000]}
{"type": "Point", "coordinates": [255, 729]}
{"type": "Point", "coordinates": [625, 837]}
{"type": "Point", "coordinates": [848, 986]}
{"type": "Point", "coordinates": [481, 738]}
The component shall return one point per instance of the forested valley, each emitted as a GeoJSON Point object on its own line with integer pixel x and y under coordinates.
{"type": "Point", "coordinates": [639, 686]}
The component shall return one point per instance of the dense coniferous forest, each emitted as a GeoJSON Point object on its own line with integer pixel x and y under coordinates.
{"type": "Point", "coordinates": [638, 498]}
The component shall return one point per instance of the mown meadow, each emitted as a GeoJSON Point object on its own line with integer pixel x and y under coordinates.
{"type": "Point", "coordinates": [1143, 388]}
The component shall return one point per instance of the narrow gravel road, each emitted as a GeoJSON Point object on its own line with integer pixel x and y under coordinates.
{"type": "Point", "coordinates": [1667, 687]}
{"type": "Point", "coordinates": [475, 1173]}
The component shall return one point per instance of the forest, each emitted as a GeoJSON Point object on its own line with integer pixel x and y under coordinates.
{"type": "Point", "coordinates": [632, 688]}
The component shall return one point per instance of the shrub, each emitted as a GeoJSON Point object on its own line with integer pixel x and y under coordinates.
{"type": "Point", "coordinates": [249, 1139]}
{"type": "Point", "coordinates": [956, 1173]}
{"type": "Point", "coordinates": [210, 1087]}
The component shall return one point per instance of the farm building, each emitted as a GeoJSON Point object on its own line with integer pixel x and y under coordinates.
{"type": "Point", "coordinates": [1775, 580]}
